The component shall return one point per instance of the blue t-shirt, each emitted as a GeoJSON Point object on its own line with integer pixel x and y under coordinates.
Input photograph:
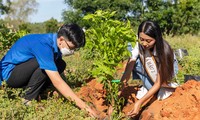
{"type": "Point", "coordinates": [43, 47]}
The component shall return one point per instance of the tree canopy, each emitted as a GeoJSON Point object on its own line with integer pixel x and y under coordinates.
{"type": "Point", "coordinates": [4, 7]}
{"type": "Point", "coordinates": [174, 16]}
{"type": "Point", "coordinates": [20, 10]}
{"type": "Point", "coordinates": [79, 8]}
{"type": "Point", "coordinates": [51, 25]}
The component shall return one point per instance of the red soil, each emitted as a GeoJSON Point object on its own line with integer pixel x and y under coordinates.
{"type": "Point", "coordinates": [183, 104]}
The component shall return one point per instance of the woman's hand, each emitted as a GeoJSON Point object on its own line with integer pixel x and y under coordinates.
{"type": "Point", "coordinates": [135, 110]}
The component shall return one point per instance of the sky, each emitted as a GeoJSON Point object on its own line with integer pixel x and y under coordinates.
{"type": "Point", "coordinates": [48, 9]}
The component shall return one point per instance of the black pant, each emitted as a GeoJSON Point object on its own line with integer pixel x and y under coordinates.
{"type": "Point", "coordinates": [28, 75]}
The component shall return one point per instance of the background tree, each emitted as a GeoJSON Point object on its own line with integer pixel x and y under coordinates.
{"type": "Point", "coordinates": [25, 27]}
{"type": "Point", "coordinates": [4, 7]}
{"type": "Point", "coordinates": [186, 17]}
{"type": "Point", "coordinates": [79, 8]}
{"type": "Point", "coordinates": [37, 27]}
{"type": "Point", "coordinates": [174, 16]}
{"type": "Point", "coordinates": [51, 25]}
{"type": "Point", "coordinates": [20, 10]}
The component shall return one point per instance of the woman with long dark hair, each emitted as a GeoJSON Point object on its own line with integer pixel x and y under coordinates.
{"type": "Point", "coordinates": [153, 62]}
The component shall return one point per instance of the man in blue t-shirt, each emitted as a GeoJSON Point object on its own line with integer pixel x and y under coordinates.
{"type": "Point", "coordinates": [36, 60]}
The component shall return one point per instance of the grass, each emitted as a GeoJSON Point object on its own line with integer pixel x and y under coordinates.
{"type": "Point", "coordinates": [189, 64]}
{"type": "Point", "coordinates": [53, 108]}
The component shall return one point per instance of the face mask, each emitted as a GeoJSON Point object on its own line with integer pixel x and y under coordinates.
{"type": "Point", "coordinates": [66, 52]}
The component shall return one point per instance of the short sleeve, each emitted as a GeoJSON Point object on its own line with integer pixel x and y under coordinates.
{"type": "Point", "coordinates": [45, 56]}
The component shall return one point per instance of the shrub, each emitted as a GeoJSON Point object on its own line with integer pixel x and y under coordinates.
{"type": "Point", "coordinates": [8, 37]}
{"type": "Point", "coordinates": [190, 64]}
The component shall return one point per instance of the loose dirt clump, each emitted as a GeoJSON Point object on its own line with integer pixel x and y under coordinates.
{"type": "Point", "coordinates": [94, 93]}
{"type": "Point", "coordinates": [183, 104]}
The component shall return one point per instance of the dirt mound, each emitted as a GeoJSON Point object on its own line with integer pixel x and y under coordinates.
{"type": "Point", "coordinates": [94, 93]}
{"type": "Point", "coordinates": [183, 104]}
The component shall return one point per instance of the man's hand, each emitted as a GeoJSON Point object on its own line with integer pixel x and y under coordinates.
{"type": "Point", "coordinates": [92, 113]}
{"type": "Point", "coordinates": [67, 92]}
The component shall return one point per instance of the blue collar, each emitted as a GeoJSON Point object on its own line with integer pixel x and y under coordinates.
{"type": "Point", "coordinates": [55, 46]}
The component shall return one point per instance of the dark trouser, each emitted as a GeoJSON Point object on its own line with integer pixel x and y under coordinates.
{"type": "Point", "coordinates": [28, 75]}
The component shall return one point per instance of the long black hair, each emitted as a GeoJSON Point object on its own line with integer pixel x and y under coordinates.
{"type": "Point", "coordinates": [163, 49]}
